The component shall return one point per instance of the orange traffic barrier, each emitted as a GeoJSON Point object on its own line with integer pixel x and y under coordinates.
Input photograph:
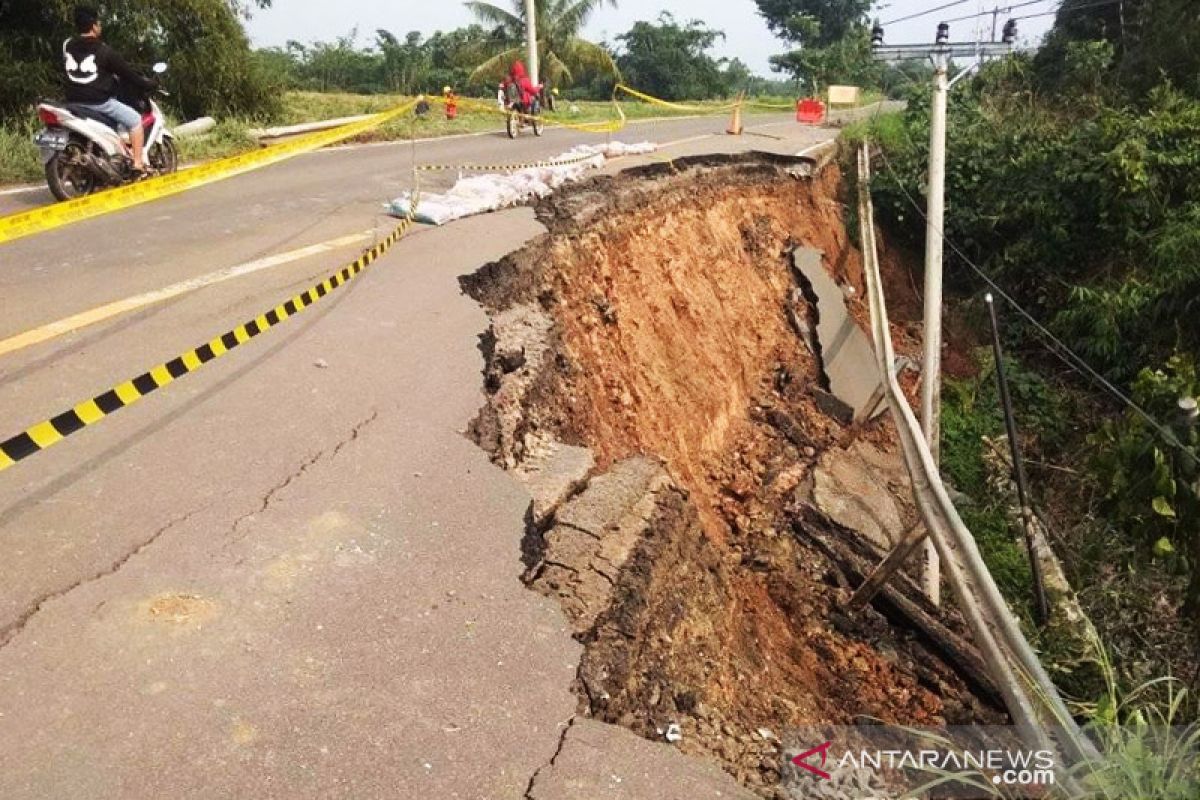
{"type": "Point", "coordinates": [810, 111]}
{"type": "Point", "coordinates": [735, 124]}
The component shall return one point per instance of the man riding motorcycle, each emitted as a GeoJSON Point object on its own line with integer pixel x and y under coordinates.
{"type": "Point", "coordinates": [94, 71]}
{"type": "Point", "coordinates": [518, 77]}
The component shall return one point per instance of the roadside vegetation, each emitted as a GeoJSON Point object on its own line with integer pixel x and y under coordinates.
{"type": "Point", "coordinates": [1073, 179]}
{"type": "Point", "coordinates": [353, 74]}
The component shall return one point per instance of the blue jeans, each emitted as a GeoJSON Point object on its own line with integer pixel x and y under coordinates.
{"type": "Point", "coordinates": [126, 118]}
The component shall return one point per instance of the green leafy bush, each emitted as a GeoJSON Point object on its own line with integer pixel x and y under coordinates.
{"type": "Point", "coordinates": [1151, 488]}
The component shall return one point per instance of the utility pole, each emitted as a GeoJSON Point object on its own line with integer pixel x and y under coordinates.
{"type": "Point", "coordinates": [935, 224]}
{"type": "Point", "coordinates": [940, 53]}
{"type": "Point", "coordinates": [531, 35]}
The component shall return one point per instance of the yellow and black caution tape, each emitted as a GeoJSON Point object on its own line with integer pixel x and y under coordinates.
{"type": "Point", "coordinates": [771, 106]}
{"type": "Point", "coordinates": [622, 88]}
{"type": "Point", "coordinates": [52, 431]}
{"type": "Point", "coordinates": [38, 220]}
{"type": "Point", "coordinates": [600, 126]}
{"type": "Point", "coordinates": [511, 167]}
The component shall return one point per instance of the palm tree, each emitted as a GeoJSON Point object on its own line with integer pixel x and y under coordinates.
{"type": "Point", "coordinates": [563, 52]}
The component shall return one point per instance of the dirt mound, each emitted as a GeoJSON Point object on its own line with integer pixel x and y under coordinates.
{"type": "Point", "coordinates": [666, 323]}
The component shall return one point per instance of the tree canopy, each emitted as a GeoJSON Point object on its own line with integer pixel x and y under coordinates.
{"type": "Point", "coordinates": [670, 60]}
{"type": "Point", "coordinates": [212, 69]}
{"type": "Point", "coordinates": [814, 23]}
{"type": "Point", "coordinates": [565, 55]}
{"type": "Point", "coordinates": [831, 38]}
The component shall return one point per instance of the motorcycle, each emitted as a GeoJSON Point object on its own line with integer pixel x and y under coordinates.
{"type": "Point", "coordinates": [82, 152]}
{"type": "Point", "coordinates": [519, 113]}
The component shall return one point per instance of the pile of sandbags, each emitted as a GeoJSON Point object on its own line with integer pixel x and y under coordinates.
{"type": "Point", "coordinates": [482, 193]}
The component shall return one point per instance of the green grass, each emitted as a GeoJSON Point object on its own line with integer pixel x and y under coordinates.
{"type": "Point", "coordinates": [886, 130]}
{"type": "Point", "coordinates": [19, 162]}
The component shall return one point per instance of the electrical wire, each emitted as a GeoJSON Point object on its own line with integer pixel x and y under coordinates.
{"type": "Point", "coordinates": [1059, 348]}
{"type": "Point", "coordinates": [1002, 9]}
{"type": "Point", "coordinates": [926, 12]}
{"type": "Point", "coordinates": [1065, 7]}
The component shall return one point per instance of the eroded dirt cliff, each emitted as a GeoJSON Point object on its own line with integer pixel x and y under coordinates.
{"type": "Point", "coordinates": [652, 373]}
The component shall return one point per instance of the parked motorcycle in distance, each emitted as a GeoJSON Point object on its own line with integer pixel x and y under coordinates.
{"type": "Point", "coordinates": [83, 153]}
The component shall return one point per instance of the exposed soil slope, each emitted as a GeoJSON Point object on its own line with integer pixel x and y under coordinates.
{"type": "Point", "coordinates": [661, 318]}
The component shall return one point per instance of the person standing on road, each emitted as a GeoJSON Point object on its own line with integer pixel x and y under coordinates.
{"type": "Point", "coordinates": [93, 72]}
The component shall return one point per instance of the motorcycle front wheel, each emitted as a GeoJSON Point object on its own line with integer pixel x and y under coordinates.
{"type": "Point", "coordinates": [66, 175]}
{"type": "Point", "coordinates": [539, 125]}
{"type": "Point", "coordinates": [514, 124]}
{"type": "Point", "coordinates": [164, 157]}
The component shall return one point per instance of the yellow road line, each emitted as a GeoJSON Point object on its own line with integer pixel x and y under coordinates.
{"type": "Point", "coordinates": [107, 311]}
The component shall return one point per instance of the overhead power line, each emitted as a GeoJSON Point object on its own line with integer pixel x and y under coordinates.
{"type": "Point", "coordinates": [933, 10]}
{"type": "Point", "coordinates": [1002, 9]}
{"type": "Point", "coordinates": [1065, 7]}
{"type": "Point", "coordinates": [1053, 343]}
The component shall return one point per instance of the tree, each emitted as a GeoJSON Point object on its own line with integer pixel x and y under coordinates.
{"type": "Point", "coordinates": [405, 64]}
{"type": "Point", "coordinates": [1151, 40]}
{"type": "Point", "coordinates": [814, 23]}
{"type": "Point", "coordinates": [832, 39]}
{"type": "Point", "coordinates": [212, 67]}
{"type": "Point", "coordinates": [847, 60]}
{"type": "Point", "coordinates": [565, 56]}
{"type": "Point", "coordinates": [671, 61]}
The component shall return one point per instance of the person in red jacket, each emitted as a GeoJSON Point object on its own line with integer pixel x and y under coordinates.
{"type": "Point", "coordinates": [517, 76]}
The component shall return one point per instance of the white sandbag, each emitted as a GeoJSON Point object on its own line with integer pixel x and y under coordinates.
{"type": "Point", "coordinates": [479, 194]}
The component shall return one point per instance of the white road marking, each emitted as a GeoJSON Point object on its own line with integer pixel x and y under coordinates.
{"type": "Point", "coordinates": [22, 190]}
{"type": "Point", "coordinates": [117, 307]}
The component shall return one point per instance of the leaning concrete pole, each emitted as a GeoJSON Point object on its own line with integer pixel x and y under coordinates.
{"type": "Point", "coordinates": [531, 34]}
{"type": "Point", "coordinates": [931, 370]}
{"type": "Point", "coordinates": [934, 245]}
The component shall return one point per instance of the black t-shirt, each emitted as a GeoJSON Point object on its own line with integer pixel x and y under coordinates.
{"type": "Point", "coordinates": [93, 71]}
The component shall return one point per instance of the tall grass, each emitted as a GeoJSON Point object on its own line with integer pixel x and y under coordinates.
{"type": "Point", "coordinates": [886, 129]}
{"type": "Point", "coordinates": [19, 162]}
{"type": "Point", "coordinates": [1147, 750]}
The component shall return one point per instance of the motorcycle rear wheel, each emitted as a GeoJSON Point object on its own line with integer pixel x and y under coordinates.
{"type": "Point", "coordinates": [164, 157]}
{"type": "Point", "coordinates": [67, 177]}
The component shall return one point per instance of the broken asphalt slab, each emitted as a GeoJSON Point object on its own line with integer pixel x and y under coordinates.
{"type": "Point", "coordinates": [585, 769]}
{"type": "Point", "coordinates": [846, 352]}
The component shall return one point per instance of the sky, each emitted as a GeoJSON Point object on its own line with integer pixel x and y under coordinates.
{"type": "Point", "coordinates": [747, 36]}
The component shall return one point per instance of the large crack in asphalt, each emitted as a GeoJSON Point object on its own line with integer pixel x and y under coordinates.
{"type": "Point", "coordinates": [269, 498]}
{"type": "Point", "coordinates": [562, 742]}
{"type": "Point", "coordinates": [14, 629]}
{"type": "Point", "coordinates": [9, 632]}
{"type": "Point", "coordinates": [652, 323]}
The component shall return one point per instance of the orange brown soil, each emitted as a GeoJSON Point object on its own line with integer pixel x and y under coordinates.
{"type": "Point", "coordinates": [667, 289]}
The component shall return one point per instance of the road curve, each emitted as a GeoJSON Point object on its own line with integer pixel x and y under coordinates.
{"type": "Point", "coordinates": [288, 575]}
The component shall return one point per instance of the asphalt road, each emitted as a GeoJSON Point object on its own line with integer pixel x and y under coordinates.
{"type": "Point", "coordinates": [288, 575]}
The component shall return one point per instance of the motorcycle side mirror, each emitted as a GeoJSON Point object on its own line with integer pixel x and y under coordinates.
{"type": "Point", "coordinates": [159, 68]}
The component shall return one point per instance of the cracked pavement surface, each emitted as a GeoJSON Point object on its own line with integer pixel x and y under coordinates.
{"type": "Point", "coordinates": [290, 575]}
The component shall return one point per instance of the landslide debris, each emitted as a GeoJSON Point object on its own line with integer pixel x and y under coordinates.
{"type": "Point", "coordinates": [654, 376]}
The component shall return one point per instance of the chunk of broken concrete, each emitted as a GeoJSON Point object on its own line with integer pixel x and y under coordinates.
{"type": "Point", "coordinates": [552, 472]}
{"type": "Point", "coordinates": [846, 353]}
{"type": "Point", "coordinates": [854, 489]}
{"type": "Point", "coordinates": [594, 536]}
